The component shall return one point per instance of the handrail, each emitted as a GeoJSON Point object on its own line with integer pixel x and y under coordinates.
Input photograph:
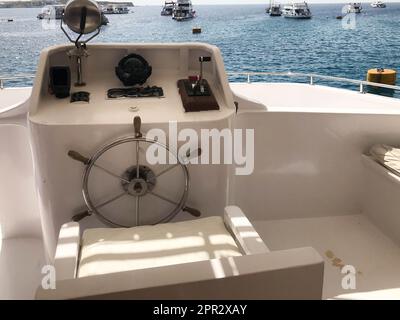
{"type": "Point", "coordinates": [16, 77]}
{"type": "Point", "coordinates": [313, 76]}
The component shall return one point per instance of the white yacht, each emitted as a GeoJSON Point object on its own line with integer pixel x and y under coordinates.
{"type": "Point", "coordinates": [378, 4]}
{"type": "Point", "coordinates": [51, 12]}
{"type": "Point", "coordinates": [109, 189]}
{"type": "Point", "coordinates": [168, 8]}
{"type": "Point", "coordinates": [274, 9]}
{"type": "Point", "coordinates": [183, 10]}
{"type": "Point", "coordinates": [297, 11]}
{"type": "Point", "coordinates": [115, 9]}
{"type": "Point", "coordinates": [354, 7]}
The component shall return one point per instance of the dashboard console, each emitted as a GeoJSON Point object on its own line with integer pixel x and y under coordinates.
{"type": "Point", "coordinates": [161, 82]}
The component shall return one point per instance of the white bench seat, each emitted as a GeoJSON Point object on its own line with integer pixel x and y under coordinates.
{"type": "Point", "coordinates": [106, 250]}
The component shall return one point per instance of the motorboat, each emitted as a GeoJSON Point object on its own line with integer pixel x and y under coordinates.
{"type": "Point", "coordinates": [168, 8]}
{"type": "Point", "coordinates": [297, 11]}
{"type": "Point", "coordinates": [354, 7]}
{"type": "Point", "coordinates": [183, 11]}
{"type": "Point", "coordinates": [274, 9]}
{"type": "Point", "coordinates": [115, 9]}
{"type": "Point", "coordinates": [139, 170]}
{"type": "Point", "coordinates": [56, 12]}
{"type": "Point", "coordinates": [104, 19]}
{"type": "Point", "coordinates": [378, 4]}
{"type": "Point", "coordinates": [51, 12]}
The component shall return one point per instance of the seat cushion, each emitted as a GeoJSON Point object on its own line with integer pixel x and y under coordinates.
{"type": "Point", "coordinates": [107, 250]}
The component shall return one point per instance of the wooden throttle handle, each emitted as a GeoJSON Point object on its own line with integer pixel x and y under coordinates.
{"type": "Point", "coordinates": [137, 123]}
{"type": "Point", "coordinates": [78, 157]}
{"type": "Point", "coordinates": [78, 217]}
{"type": "Point", "coordinates": [192, 211]}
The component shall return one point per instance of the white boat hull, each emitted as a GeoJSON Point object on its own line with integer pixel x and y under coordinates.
{"type": "Point", "coordinates": [310, 170]}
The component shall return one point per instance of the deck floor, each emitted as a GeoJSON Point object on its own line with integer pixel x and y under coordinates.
{"type": "Point", "coordinates": [351, 240]}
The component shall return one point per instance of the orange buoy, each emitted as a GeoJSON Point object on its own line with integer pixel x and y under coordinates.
{"type": "Point", "coordinates": [380, 75]}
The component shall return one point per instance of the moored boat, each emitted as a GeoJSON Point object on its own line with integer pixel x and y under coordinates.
{"type": "Point", "coordinates": [168, 8]}
{"type": "Point", "coordinates": [378, 4]}
{"type": "Point", "coordinates": [51, 12]}
{"type": "Point", "coordinates": [354, 7]}
{"type": "Point", "coordinates": [115, 9]}
{"type": "Point", "coordinates": [183, 10]}
{"type": "Point", "coordinates": [297, 11]}
{"type": "Point", "coordinates": [274, 9]}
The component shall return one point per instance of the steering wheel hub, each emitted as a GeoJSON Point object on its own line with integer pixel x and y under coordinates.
{"type": "Point", "coordinates": [140, 183]}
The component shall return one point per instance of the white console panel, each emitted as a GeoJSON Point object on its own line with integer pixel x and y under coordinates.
{"type": "Point", "coordinates": [57, 126]}
{"type": "Point", "coordinates": [170, 62]}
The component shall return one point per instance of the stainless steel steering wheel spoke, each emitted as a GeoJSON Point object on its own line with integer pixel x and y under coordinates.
{"type": "Point", "coordinates": [189, 155]}
{"type": "Point", "coordinates": [137, 202]}
{"type": "Point", "coordinates": [163, 198]}
{"type": "Point", "coordinates": [167, 170]}
{"type": "Point", "coordinates": [115, 198]}
{"type": "Point", "coordinates": [137, 160]}
{"type": "Point", "coordinates": [111, 173]}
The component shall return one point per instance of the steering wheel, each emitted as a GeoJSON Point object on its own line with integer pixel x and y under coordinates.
{"type": "Point", "coordinates": [138, 181]}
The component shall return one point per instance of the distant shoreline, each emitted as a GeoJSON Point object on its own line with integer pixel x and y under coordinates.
{"type": "Point", "coordinates": [41, 4]}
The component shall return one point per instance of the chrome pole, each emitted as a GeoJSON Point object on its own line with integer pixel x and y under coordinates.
{"type": "Point", "coordinates": [79, 71]}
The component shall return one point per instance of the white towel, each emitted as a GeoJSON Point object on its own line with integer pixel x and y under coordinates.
{"type": "Point", "coordinates": [386, 155]}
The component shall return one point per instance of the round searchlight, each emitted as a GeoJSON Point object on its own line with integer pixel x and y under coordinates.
{"type": "Point", "coordinates": [82, 16]}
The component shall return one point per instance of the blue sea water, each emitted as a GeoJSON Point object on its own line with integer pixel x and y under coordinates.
{"type": "Point", "coordinates": [249, 39]}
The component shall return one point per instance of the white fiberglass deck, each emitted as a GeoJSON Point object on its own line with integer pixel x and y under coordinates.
{"type": "Point", "coordinates": [352, 239]}
{"type": "Point", "coordinates": [11, 98]}
{"type": "Point", "coordinates": [21, 262]}
{"type": "Point", "coordinates": [297, 97]}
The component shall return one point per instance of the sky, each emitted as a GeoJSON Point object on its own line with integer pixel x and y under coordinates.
{"type": "Point", "coordinates": [158, 2]}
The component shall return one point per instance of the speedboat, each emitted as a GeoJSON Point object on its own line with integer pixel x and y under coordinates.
{"type": "Point", "coordinates": [140, 170]}
{"type": "Point", "coordinates": [297, 11]}
{"type": "Point", "coordinates": [274, 10]}
{"type": "Point", "coordinates": [354, 7]}
{"type": "Point", "coordinates": [183, 10]}
{"type": "Point", "coordinates": [168, 8]}
{"type": "Point", "coordinates": [378, 4]}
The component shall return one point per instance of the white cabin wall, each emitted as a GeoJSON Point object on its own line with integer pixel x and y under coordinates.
{"type": "Point", "coordinates": [309, 164]}
{"type": "Point", "coordinates": [19, 213]}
